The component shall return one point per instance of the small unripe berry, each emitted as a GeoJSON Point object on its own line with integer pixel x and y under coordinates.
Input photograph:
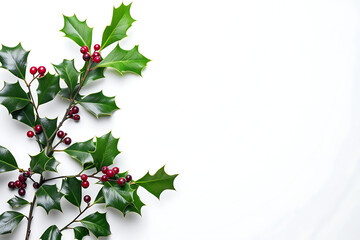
{"type": "Point", "coordinates": [110, 173]}
{"type": "Point", "coordinates": [42, 70]}
{"type": "Point", "coordinates": [97, 47]}
{"type": "Point", "coordinates": [22, 192]}
{"type": "Point", "coordinates": [84, 177]}
{"type": "Point", "coordinates": [86, 57]}
{"type": "Point", "coordinates": [23, 185]}
{"type": "Point", "coordinates": [128, 178]}
{"type": "Point", "coordinates": [97, 59]}
{"type": "Point", "coordinates": [76, 117]}
{"type": "Point", "coordinates": [38, 129]}
{"type": "Point", "coordinates": [61, 134]}
{"type": "Point", "coordinates": [104, 178]}
{"type": "Point", "coordinates": [30, 134]}
{"type": "Point", "coordinates": [85, 184]}
{"type": "Point", "coordinates": [11, 185]}
{"type": "Point", "coordinates": [84, 49]}
{"type": "Point", "coordinates": [121, 181]}
{"type": "Point", "coordinates": [87, 198]}
{"type": "Point", "coordinates": [36, 185]}
{"type": "Point", "coordinates": [116, 170]}
{"type": "Point", "coordinates": [67, 141]}
{"type": "Point", "coordinates": [18, 183]}
{"type": "Point", "coordinates": [75, 109]}
{"type": "Point", "coordinates": [33, 70]}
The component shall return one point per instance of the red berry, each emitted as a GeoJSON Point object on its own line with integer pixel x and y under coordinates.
{"type": "Point", "coordinates": [96, 54]}
{"type": "Point", "coordinates": [36, 185]}
{"type": "Point", "coordinates": [42, 70]}
{"type": "Point", "coordinates": [86, 57]}
{"type": "Point", "coordinates": [30, 134]}
{"type": "Point", "coordinates": [75, 109]}
{"type": "Point", "coordinates": [84, 49]}
{"type": "Point", "coordinates": [38, 129]}
{"type": "Point", "coordinates": [22, 192]}
{"type": "Point", "coordinates": [116, 170]}
{"type": "Point", "coordinates": [26, 174]}
{"type": "Point", "coordinates": [104, 169]}
{"type": "Point", "coordinates": [61, 134]}
{"type": "Point", "coordinates": [87, 198]}
{"type": "Point", "coordinates": [11, 185]}
{"type": "Point", "coordinates": [97, 59]}
{"type": "Point", "coordinates": [128, 178]}
{"type": "Point", "coordinates": [104, 178]}
{"type": "Point", "coordinates": [110, 173]}
{"type": "Point", "coordinates": [76, 117]}
{"type": "Point", "coordinates": [85, 184]}
{"type": "Point", "coordinates": [22, 178]}
{"type": "Point", "coordinates": [18, 183]}
{"type": "Point", "coordinates": [121, 181]}
{"type": "Point", "coordinates": [84, 177]}
{"type": "Point", "coordinates": [67, 141]}
{"type": "Point", "coordinates": [33, 70]}
{"type": "Point", "coordinates": [97, 47]}
{"type": "Point", "coordinates": [23, 185]}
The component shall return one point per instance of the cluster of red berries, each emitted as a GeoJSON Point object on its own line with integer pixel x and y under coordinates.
{"type": "Point", "coordinates": [38, 129]}
{"type": "Point", "coordinates": [62, 134]}
{"type": "Point", "coordinates": [21, 183]}
{"type": "Point", "coordinates": [110, 173]}
{"type": "Point", "coordinates": [73, 113]}
{"type": "Point", "coordinates": [41, 70]}
{"type": "Point", "coordinates": [95, 56]}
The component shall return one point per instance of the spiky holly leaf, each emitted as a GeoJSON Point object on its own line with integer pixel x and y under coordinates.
{"type": "Point", "coordinates": [121, 21]}
{"type": "Point", "coordinates": [93, 75]}
{"type": "Point", "coordinates": [97, 224]}
{"type": "Point", "coordinates": [25, 115]}
{"type": "Point", "coordinates": [117, 196]}
{"type": "Point", "coordinates": [49, 197]}
{"type": "Point", "coordinates": [80, 232]}
{"type": "Point", "coordinates": [41, 162]}
{"type": "Point", "coordinates": [137, 204]}
{"type": "Point", "coordinates": [77, 31]}
{"type": "Point", "coordinates": [158, 182]}
{"type": "Point", "coordinates": [49, 127]}
{"type": "Point", "coordinates": [125, 60]}
{"type": "Point", "coordinates": [106, 151]}
{"type": "Point", "coordinates": [14, 59]}
{"type": "Point", "coordinates": [17, 202]}
{"type": "Point", "coordinates": [7, 160]}
{"type": "Point", "coordinates": [80, 151]}
{"type": "Point", "coordinates": [48, 88]}
{"type": "Point", "coordinates": [71, 187]}
{"type": "Point", "coordinates": [68, 73]}
{"type": "Point", "coordinates": [9, 221]}
{"type": "Point", "coordinates": [13, 97]}
{"type": "Point", "coordinates": [98, 104]}
{"type": "Point", "coordinates": [99, 197]}
{"type": "Point", "coordinates": [52, 233]}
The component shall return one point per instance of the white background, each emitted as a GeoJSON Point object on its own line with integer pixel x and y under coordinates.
{"type": "Point", "coordinates": [254, 103]}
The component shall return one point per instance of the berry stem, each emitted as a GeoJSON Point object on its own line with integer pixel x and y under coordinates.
{"type": "Point", "coordinates": [75, 219]}
{"type": "Point", "coordinates": [30, 217]}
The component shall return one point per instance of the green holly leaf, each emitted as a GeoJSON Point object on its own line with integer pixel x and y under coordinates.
{"type": "Point", "coordinates": [49, 197]}
{"type": "Point", "coordinates": [80, 151]}
{"type": "Point", "coordinates": [117, 196]}
{"type": "Point", "coordinates": [80, 232]}
{"type": "Point", "coordinates": [48, 88]}
{"type": "Point", "coordinates": [52, 233]}
{"type": "Point", "coordinates": [98, 104]}
{"type": "Point", "coordinates": [106, 151]}
{"type": "Point", "coordinates": [17, 202]}
{"type": "Point", "coordinates": [9, 221]}
{"type": "Point", "coordinates": [158, 182]}
{"type": "Point", "coordinates": [125, 60]}
{"type": "Point", "coordinates": [41, 162]}
{"type": "Point", "coordinates": [77, 31]}
{"type": "Point", "coordinates": [14, 59]}
{"type": "Point", "coordinates": [25, 115]}
{"type": "Point", "coordinates": [97, 224]}
{"type": "Point", "coordinates": [68, 72]}
{"type": "Point", "coordinates": [71, 187]}
{"type": "Point", "coordinates": [99, 197]}
{"type": "Point", "coordinates": [121, 21]}
{"type": "Point", "coordinates": [49, 127]}
{"type": "Point", "coordinates": [93, 75]}
{"type": "Point", "coordinates": [7, 161]}
{"type": "Point", "coordinates": [13, 97]}
{"type": "Point", "coordinates": [137, 204]}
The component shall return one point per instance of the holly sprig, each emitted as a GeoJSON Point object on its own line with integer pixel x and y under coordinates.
{"type": "Point", "coordinates": [95, 156]}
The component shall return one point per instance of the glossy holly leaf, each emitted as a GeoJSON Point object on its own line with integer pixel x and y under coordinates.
{"type": "Point", "coordinates": [64, 92]}
{"type": "Point", "coordinates": [13, 97]}
{"type": "Point", "coordinates": [9, 221]}
{"type": "Point", "coordinates": [158, 182]}
{"type": "Point", "coordinates": [52, 233]}
{"type": "Point", "coordinates": [97, 224]}
{"type": "Point", "coordinates": [7, 161]}
{"type": "Point", "coordinates": [93, 75]}
{"type": "Point", "coordinates": [68, 73]}
{"type": "Point", "coordinates": [106, 151]}
{"type": "Point", "coordinates": [117, 196]}
{"type": "Point", "coordinates": [99, 197]}
{"type": "Point", "coordinates": [40, 163]}
{"type": "Point", "coordinates": [121, 21]}
{"type": "Point", "coordinates": [49, 127]}
{"type": "Point", "coordinates": [80, 232]}
{"type": "Point", "coordinates": [125, 60]}
{"type": "Point", "coordinates": [49, 197]}
{"type": "Point", "coordinates": [80, 151]}
{"type": "Point", "coordinates": [48, 88]}
{"type": "Point", "coordinates": [137, 204]}
{"type": "Point", "coordinates": [98, 104]}
{"type": "Point", "coordinates": [25, 115]}
{"type": "Point", "coordinates": [14, 59]}
{"type": "Point", "coordinates": [77, 31]}
{"type": "Point", "coordinates": [17, 202]}
{"type": "Point", "coordinates": [71, 187]}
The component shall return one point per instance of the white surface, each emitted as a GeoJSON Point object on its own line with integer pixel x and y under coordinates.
{"type": "Point", "coordinates": [254, 103]}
